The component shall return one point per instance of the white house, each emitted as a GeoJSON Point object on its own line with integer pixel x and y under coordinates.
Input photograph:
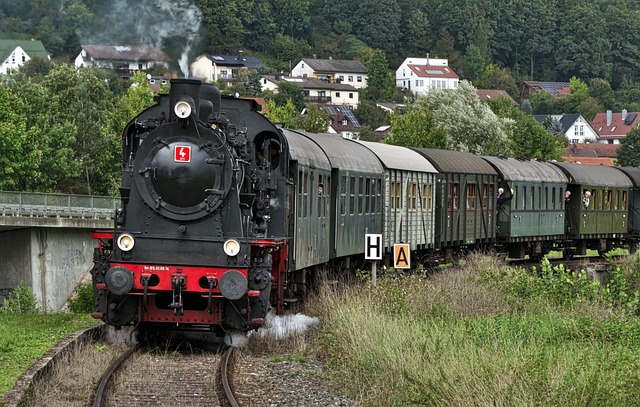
{"type": "Point", "coordinates": [419, 75]}
{"type": "Point", "coordinates": [15, 53]}
{"type": "Point", "coordinates": [210, 68]}
{"type": "Point", "coordinates": [124, 59]}
{"type": "Point", "coordinates": [574, 127]}
{"type": "Point", "coordinates": [315, 90]}
{"type": "Point", "coordinates": [330, 70]}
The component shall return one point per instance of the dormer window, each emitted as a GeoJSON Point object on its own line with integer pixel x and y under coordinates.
{"type": "Point", "coordinates": [344, 122]}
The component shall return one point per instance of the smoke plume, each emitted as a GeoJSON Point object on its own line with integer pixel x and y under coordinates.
{"type": "Point", "coordinates": [172, 25]}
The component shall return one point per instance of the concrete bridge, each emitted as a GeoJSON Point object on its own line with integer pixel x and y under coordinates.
{"type": "Point", "coordinates": [45, 242]}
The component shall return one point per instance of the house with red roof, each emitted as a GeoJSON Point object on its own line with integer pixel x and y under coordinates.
{"type": "Point", "coordinates": [420, 75]}
{"type": "Point", "coordinates": [555, 89]}
{"type": "Point", "coordinates": [613, 127]}
{"type": "Point", "coordinates": [591, 153]}
{"type": "Point", "coordinates": [489, 94]}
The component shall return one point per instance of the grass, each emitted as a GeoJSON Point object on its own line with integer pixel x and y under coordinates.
{"type": "Point", "coordinates": [464, 337]}
{"type": "Point", "coordinates": [24, 338]}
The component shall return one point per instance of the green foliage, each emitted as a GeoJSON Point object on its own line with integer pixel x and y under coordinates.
{"type": "Point", "coordinates": [82, 301]}
{"type": "Point", "coordinates": [565, 287]}
{"type": "Point", "coordinates": [380, 82]}
{"type": "Point", "coordinates": [459, 336]}
{"type": "Point", "coordinates": [629, 150]}
{"type": "Point", "coordinates": [316, 120]}
{"type": "Point", "coordinates": [21, 301]}
{"type": "Point", "coordinates": [289, 92]}
{"type": "Point", "coordinates": [416, 127]}
{"type": "Point", "coordinates": [528, 137]}
{"type": "Point", "coordinates": [25, 338]}
{"type": "Point", "coordinates": [469, 123]}
{"type": "Point", "coordinates": [281, 114]}
{"type": "Point", "coordinates": [368, 114]}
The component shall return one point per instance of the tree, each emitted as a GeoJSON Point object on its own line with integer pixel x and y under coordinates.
{"type": "Point", "coordinates": [496, 77]}
{"type": "Point", "coordinates": [470, 124]}
{"type": "Point", "coordinates": [368, 114]}
{"type": "Point", "coordinates": [583, 43]}
{"type": "Point", "coordinates": [284, 114]}
{"type": "Point", "coordinates": [629, 150]}
{"type": "Point", "coordinates": [380, 83]}
{"type": "Point", "coordinates": [416, 127]}
{"type": "Point", "coordinates": [316, 120]}
{"type": "Point", "coordinates": [289, 92]}
{"type": "Point", "coordinates": [14, 141]}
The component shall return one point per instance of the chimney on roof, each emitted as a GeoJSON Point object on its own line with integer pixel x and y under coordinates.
{"type": "Point", "coordinates": [624, 114]}
{"type": "Point", "coordinates": [427, 58]}
{"type": "Point", "coordinates": [609, 117]}
{"type": "Point", "coordinates": [330, 58]}
{"type": "Point", "coordinates": [315, 56]}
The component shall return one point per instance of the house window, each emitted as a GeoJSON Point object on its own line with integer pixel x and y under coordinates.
{"type": "Point", "coordinates": [24, 58]}
{"type": "Point", "coordinates": [419, 82]}
{"type": "Point", "coordinates": [13, 58]}
{"type": "Point", "coordinates": [337, 94]}
{"type": "Point", "coordinates": [579, 131]}
{"type": "Point", "coordinates": [359, 79]}
{"type": "Point", "coordinates": [341, 78]}
{"type": "Point", "coordinates": [322, 93]}
{"type": "Point", "coordinates": [302, 66]}
{"type": "Point", "coordinates": [344, 122]}
{"type": "Point", "coordinates": [350, 95]}
{"type": "Point", "coordinates": [575, 140]}
{"type": "Point", "coordinates": [152, 81]}
{"type": "Point", "coordinates": [350, 78]}
{"type": "Point", "coordinates": [223, 74]}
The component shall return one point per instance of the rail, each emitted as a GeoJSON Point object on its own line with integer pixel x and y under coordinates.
{"type": "Point", "coordinates": [35, 204]}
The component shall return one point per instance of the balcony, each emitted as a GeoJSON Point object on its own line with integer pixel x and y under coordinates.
{"type": "Point", "coordinates": [317, 99]}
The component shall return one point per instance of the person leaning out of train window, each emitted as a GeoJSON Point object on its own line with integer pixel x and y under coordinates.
{"type": "Point", "coordinates": [567, 196]}
{"type": "Point", "coordinates": [585, 199]}
{"type": "Point", "coordinates": [501, 197]}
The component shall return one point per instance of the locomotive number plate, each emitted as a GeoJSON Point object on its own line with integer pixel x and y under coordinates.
{"type": "Point", "coordinates": [182, 154]}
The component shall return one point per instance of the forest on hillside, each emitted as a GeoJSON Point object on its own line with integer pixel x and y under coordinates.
{"type": "Point", "coordinates": [550, 40]}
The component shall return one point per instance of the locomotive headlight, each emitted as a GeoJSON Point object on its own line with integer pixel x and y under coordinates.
{"type": "Point", "coordinates": [182, 109]}
{"type": "Point", "coordinates": [125, 242]}
{"type": "Point", "coordinates": [231, 247]}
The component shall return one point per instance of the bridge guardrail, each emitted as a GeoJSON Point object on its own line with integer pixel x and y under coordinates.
{"type": "Point", "coordinates": [57, 205]}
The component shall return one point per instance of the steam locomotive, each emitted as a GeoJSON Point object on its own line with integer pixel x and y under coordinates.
{"type": "Point", "coordinates": [225, 216]}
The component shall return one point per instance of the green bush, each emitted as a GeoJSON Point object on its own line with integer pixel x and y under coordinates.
{"type": "Point", "coordinates": [21, 301]}
{"type": "Point", "coordinates": [82, 302]}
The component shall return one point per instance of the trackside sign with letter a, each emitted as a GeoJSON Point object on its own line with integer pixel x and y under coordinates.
{"type": "Point", "coordinates": [401, 256]}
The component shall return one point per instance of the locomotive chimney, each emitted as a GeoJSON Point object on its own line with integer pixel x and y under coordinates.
{"type": "Point", "coordinates": [211, 94]}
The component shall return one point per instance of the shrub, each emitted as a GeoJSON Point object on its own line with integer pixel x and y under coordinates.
{"type": "Point", "coordinates": [21, 301]}
{"type": "Point", "coordinates": [82, 301]}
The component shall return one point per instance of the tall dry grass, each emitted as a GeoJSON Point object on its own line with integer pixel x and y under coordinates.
{"type": "Point", "coordinates": [456, 339]}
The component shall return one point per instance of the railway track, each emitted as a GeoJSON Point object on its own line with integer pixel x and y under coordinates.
{"type": "Point", "coordinates": [156, 377]}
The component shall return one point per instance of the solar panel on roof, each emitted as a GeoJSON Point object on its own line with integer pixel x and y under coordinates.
{"type": "Point", "coordinates": [630, 118]}
{"type": "Point", "coordinates": [330, 110]}
{"type": "Point", "coordinates": [217, 58]}
{"type": "Point", "coordinates": [347, 112]}
{"type": "Point", "coordinates": [434, 72]}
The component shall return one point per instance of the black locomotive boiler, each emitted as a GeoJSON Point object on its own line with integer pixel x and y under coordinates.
{"type": "Point", "coordinates": [200, 237]}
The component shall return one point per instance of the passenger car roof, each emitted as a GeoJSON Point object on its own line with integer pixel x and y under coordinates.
{"type": "Point", "coordinates": [399, 158]}
{"type": "Point", "coordinates": [305, 151]}
{"type": "Point", "coordinates": [512, 169]}
{"type": "Point", "coordinates": [599, 175]}
{"type": "Point", "coordinates": [344, 154]}
{"type": "Point", "coordinates": [456, 161]}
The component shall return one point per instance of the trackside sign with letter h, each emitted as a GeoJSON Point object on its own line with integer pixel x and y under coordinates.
{"type": "Point", "coordinates": [372, 246]}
